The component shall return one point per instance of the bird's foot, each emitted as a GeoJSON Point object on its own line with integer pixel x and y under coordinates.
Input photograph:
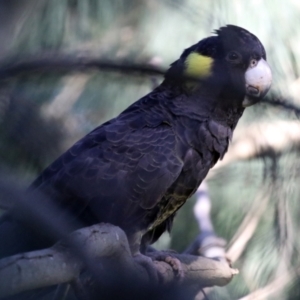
{"type": "Point", "coordinates": [169, 258]}
{"type": "Point", "coordinates": [147, 263]}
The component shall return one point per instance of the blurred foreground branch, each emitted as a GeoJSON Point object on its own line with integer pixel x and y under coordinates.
{"type": "Point", "coordinates": [58, 264]}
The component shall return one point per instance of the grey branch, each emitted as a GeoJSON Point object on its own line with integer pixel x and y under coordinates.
{"type": "Point", "coordinates": [260, 139]}
{"type": "Point", "coordinates": [59, 264]}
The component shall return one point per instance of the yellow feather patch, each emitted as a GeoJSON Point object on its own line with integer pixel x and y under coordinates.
{"type": "Point", "coordinates": [198, 65]}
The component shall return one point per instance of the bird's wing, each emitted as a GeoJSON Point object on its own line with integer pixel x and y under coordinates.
{"type": "Point", "coordinates": [122, 166]}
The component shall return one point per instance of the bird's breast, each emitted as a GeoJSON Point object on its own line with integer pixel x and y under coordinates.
{"type": "Point", "coordinates": [193, 172]}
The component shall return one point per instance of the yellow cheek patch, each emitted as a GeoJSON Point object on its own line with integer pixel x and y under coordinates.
{"type": "Point", "coordinates": [198, 65]}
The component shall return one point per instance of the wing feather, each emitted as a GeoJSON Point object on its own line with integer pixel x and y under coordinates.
{"type": "Point", "coordinates": [124, 165]}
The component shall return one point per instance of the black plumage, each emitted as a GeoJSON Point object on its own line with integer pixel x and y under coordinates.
{"type": "Point", "coordinates": [138, 169]}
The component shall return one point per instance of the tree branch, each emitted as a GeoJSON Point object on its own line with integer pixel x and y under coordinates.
{"type": "Point", "coordinates": [58, 62]}
{"type": "Point", "coordinates": [60, 264]}
{"type": "Point", "coordinates": [260, 139]}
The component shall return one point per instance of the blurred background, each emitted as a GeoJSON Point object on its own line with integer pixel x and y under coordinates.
{"type": "Point", "coordinates": [254, 192]}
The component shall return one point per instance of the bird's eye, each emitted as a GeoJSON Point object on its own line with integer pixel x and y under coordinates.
{"type": "Point", "coordinates": [253, 62]}
{"type": "Point", "coordinates": [233, 57]}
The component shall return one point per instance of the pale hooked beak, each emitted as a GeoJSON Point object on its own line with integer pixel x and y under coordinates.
{"type": "Point", "coordinates": [258, 79]}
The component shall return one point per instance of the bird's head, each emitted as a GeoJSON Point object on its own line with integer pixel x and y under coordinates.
{"type": "Point", "coordinates": [231, 63]}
